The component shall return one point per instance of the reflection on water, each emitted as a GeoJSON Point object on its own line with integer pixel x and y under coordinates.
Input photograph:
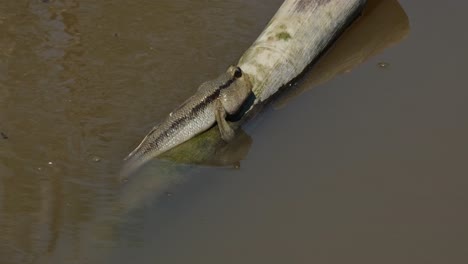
{"type": "Point", "coordinates": [82, 81]}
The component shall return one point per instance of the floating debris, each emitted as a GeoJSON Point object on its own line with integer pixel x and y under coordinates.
{"type": "Point", "coordinates": [50, 163]}
{"type": "Point", "coordinates": [169, 194]}
{"type": "Point", "coordinates": [4, 136]}
{"type": "Point", "coordinates": [96, 159]}
{"type": "Point", "coordinates": [383, 64]}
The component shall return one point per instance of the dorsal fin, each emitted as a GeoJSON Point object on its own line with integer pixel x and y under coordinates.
{"type": "Point", "coordinates": [141, 143]}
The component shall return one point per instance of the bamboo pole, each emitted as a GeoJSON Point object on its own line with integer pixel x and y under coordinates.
{"type": "Point", "coordinates": [296, 36]}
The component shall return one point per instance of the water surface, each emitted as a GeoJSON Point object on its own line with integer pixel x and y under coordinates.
{"type": "Point", "coordinates": [367, 167]}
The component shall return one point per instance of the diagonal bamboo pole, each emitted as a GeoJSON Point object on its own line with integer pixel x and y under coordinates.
{"type": "Point", "coordinates": [296, 36]}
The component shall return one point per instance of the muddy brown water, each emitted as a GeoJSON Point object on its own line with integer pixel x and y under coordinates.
{"type": "Point", "coordinates": [370, 166]}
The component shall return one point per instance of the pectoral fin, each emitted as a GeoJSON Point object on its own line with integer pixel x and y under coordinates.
{"type": "Point", "coordinates": [227, 133]}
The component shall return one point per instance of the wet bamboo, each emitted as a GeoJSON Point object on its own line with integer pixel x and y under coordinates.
{"type": "Point", "coordinates": [296, 36]}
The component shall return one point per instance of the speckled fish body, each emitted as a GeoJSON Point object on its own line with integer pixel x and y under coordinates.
{"type": "Point", "coordinates": [195, 115]}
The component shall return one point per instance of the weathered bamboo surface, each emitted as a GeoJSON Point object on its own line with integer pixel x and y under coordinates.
{"type": "Point", "coordinates": [297, 35]}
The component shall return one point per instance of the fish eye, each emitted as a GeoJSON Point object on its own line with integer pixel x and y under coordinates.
{"type": "Point", "coordinates": [238, 72]}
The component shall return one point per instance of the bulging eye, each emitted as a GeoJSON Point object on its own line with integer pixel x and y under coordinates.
{"type": "Point", "coordinates": [238, 72]}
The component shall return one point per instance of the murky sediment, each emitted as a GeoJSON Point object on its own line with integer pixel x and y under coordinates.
{"type": "Point", "coordinates": [367, 167]}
